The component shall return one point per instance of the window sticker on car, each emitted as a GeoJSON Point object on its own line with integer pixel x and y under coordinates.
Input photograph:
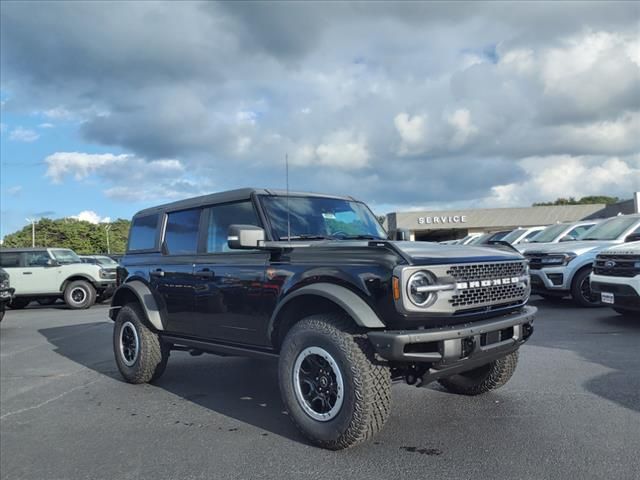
{"type": "Point", "coordinates": [329, 215]}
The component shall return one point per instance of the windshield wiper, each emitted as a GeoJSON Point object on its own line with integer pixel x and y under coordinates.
{"type": "Point", "coordinates": [305, 237]}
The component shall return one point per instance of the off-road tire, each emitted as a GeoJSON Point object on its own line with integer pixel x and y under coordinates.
{"type": "Point", "coordinates": [367, 383]}
{"type": "Point", "coordinates": [153, 353]}
{"type": "Point", "coordinates": [576, 292]}
{"type": "Point", "coordinates": [79, 286]}
{"type": "Point", "coordinates": [19, 303]}
{"type": "Point", "coordinates": [482, 379]}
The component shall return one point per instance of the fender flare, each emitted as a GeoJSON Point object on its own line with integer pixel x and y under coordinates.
{"type": "Point", "coordinates": [351, 303]}
{"type": "Point", "coordinates": [145, 298]}
{"type": "Point", "coordinates": [83, 276]}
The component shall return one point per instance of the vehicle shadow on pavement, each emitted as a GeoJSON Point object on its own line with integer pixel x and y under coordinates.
{"type": "Point", "coordinates": [603, 337]}
{"type": "Point", "coordinates": [243, 389]}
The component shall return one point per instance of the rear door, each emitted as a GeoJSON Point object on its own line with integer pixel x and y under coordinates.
{"type": "Point", "coordinates": [229, 303]}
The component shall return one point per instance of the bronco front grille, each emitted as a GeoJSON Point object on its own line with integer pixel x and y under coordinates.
{"type": "Point", "coordinates": [487, 271]}
{"type": "Point", "coordinates": [489, 284]}
{"type": "Point", "coordinates": [617, 265]}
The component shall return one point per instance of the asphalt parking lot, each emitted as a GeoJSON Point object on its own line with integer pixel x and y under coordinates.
{"type": "Point", "coordinates": [572, 410]}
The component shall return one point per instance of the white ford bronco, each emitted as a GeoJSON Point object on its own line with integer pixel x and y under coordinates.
{"type": "Point", "coordinates": [46, 274]}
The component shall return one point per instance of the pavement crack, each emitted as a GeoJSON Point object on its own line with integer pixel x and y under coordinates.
{"type": "Point", "coordinates": [46, 402]}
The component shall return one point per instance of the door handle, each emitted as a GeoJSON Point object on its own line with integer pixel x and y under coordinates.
{"type": "Point", "coordinates": [27, 273]}
{"type": "Point", "coordinates": [157, 273]}
{"type": "Point", "coordinates": [205, 273]}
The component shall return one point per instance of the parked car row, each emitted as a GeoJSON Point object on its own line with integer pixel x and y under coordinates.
{"type": "Point", "coordinates": [48, 274]}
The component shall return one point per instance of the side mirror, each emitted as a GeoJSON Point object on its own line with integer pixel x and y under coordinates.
{"type": "Point", "coordinates": [634, 237]}
{"type": "Point", "coordinates": [51, 263]}
{"type": "Point", "coordinates": [245, 237]}
{"type": "Point", "coordinates": [401, 234]}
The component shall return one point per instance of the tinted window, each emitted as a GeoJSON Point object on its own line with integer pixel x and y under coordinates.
{"type": "Point", "coordinates": [221, 216]}
{"type": "Point", "coordinates": [181, 234]}
{"type": "Point", "coordinates": [576, 232]}
{"type": "Point", "coordinates": [10, 260]}
{"type": "Point", "coordinates": [36, 259]}
{"type": "Point", "coordinates": [143, 233]}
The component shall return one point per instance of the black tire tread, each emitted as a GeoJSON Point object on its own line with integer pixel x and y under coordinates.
{"type": "Point", "coordinates": [500, 372]}
{"type": "Point", "coordinates": [575, 289]}
{"type": "Point", "coordinates": [154, 353]}
{"type": "Point", "coordinates": [372, 386]}
{"type": "Point", "coordinates": [90, 289]}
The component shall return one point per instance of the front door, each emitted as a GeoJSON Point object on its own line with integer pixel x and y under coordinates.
{"type": "Point", "coordinates": [37, 275]}
{"type": "Point", "coordinates": [229, 301]}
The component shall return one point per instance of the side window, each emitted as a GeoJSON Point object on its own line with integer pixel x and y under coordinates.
{"type": "Point", "coordinates": [181, 234]}
{"type": "Point", "coordinates": [10, 259]}
{"type": "Point", "coordinates": [532, 234]}
{"type": "Point", "coordinates": [36, 259]}
{"type": "Point", "coordinates": [221, 216]}
{"type": "Point", "coordinates": [143, 233]}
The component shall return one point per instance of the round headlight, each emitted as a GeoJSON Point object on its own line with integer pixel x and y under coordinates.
{"type": "Point", "coordinates": [417, 297]}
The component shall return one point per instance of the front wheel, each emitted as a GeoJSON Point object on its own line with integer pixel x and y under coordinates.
{"type": "Point", "coordinates": [140, 354]}
{"type": "Point", "coordinates": [581, 289]}
{"type": "Point", "coordinates": [482, 379]}
{"type": "Point", "coordinates": [79, 295]}
{"type": "Point", "coordinates": [333, 388]}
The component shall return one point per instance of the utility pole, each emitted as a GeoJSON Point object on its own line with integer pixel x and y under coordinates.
{"type": "Point", "coordinates": [106, 229]}
{"type": "Point", "coordinates": [32, 221]}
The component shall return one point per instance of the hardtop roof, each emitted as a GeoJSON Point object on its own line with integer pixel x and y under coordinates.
{"type": "Point", "coordinates": [230, 196]}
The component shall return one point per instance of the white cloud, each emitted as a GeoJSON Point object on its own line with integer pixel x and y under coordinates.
{"type": "Point", "coordinates": [58, 113]}
{"type": "Point", "coordinates": [341, 150]}
{"type": "Point", "coordinates": [460, 120]}
{"type": "Point", "coordinates": [565, 176]}
{"type": "Point", "coordinates": [20, 134]}
{"type": "Point", "coordinates": [46, 125]}
{"type": "Point", "coordinates": [91, 217]}
{"type": "Point", "coordinates": [413, 133]}
{"type": "Point", "coordinates": [126, 167]}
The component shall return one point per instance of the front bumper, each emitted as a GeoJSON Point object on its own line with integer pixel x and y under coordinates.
{"type": "Point", "coordinates": [626, 291]}
{"type": "Point", "coordinates": [550, 280]}
{"type": "Point", "coordinates": [6, 294]}
{"type": "Point", "coordinates": [460, 347]}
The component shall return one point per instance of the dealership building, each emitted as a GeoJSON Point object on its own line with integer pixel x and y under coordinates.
{"type": "Point", "coordinates": [435, 226]}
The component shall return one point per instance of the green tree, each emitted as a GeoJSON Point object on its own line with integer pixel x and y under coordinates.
{"type": "Point", "coordinates": [80, 236]}
{"type": "Point", "coordinates": [589, 200]}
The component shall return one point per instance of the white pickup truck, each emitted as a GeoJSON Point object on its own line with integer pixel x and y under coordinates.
{"type": "Point", "coordinates": [615, 280]}
{"type": "Point", "coordinates": [46, 274]}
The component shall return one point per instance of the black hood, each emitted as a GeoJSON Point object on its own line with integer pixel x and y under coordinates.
{"type": "Point", "coordinates": [426, 253]}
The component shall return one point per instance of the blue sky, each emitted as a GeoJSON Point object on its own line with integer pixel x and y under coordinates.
{"type": "Point", "coordinates": [112, 107]}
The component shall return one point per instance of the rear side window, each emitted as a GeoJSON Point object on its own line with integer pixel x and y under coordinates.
{"type": "Point", "coordinates": [181, 234]}
{"type": "Point", "coordinates": [221, 216]}
{"type": "Point", "coordinates": [10, 260]}
{"type": "Point", "coordinates": [36, 259]}
{"type": "Point", "coordinates": [143, 233]}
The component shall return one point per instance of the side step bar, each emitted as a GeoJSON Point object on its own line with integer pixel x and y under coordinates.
{"type": "Point", "coordinates": [216, 348]}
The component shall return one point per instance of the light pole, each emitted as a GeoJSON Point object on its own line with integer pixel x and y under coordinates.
{"type": "Point", "coordinates": [106, 229]}
{"type": "Point", "coordinates": [32, 221]}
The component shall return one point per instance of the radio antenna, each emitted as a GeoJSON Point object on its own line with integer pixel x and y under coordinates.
{"type": "Point", "coordinates": [286, 164]}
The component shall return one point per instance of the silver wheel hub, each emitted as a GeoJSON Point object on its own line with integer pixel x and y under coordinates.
{"type": "Point", "coordinates": [318, 384]}
{"type": "Point", "coordinates": [129, 344]}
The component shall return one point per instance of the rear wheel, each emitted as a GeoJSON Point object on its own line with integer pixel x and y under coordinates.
{"type": "Point", "coordinates": [333, 388]}
{"type": "Point", "coordinates": [581, 289]}
{"type": "Point", "coordinates": [140, 354]}
{"type": "Point", "coordinates": [19, 303]}
{"type": "Point", "coordinates": [482, 379]}
{"type": "Point", "coordinates": [79, 295]}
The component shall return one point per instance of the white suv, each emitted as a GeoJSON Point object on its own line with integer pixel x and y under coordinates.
{"type": "Point", "coordinates": [46, 274]}
{"type": "Point", "coordinates": [615, 280]}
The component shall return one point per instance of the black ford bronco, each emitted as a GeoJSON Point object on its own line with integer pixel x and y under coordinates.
{"type": "Point", "coordinates": [314, 281]}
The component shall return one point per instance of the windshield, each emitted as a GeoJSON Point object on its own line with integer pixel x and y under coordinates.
{"type": "Point", "coordinates": [549, 234]}
{"type": "Point", "coordinates": [513, 236]}
{"type": "Point", "coordinates": [317, 218]}
{"type": "Point", "coordinates": [107, 261]}
{"type": "Point", "coordinates": [610, 229]}
{"type": "Point", "coordinates": [66, 256]}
